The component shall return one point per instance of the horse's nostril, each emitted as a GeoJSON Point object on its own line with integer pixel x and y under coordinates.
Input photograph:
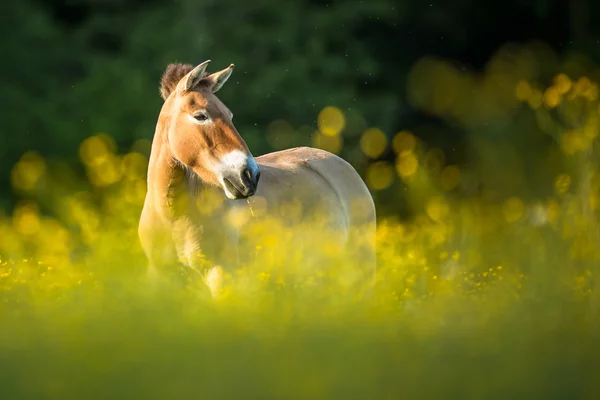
{"type": "Point", "coordinates": [248, 174]}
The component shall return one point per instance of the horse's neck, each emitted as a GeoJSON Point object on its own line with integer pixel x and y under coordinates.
{"type": "Point", "coordinates": [174, 187]}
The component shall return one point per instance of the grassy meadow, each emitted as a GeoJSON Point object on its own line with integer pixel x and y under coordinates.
{"type": "Point", "coordinates": [489, 291]}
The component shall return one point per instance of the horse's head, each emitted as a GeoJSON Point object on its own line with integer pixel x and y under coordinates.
{"type": "Point", "coordinates": [200, 132]}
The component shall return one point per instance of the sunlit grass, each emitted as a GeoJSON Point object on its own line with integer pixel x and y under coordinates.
{"type": "Point", "coordinates": [473, 300]}
{"type": "Point", "coordinates": [477, 296]}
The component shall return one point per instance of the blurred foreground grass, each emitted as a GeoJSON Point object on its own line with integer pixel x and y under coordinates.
{"type": "Point", "coordinates": [487, 294]}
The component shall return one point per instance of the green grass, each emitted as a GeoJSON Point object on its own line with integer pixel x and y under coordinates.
{"type": "Point", "coordinates": [499, 327]}
{"type": "Point", "coordinates": [492, 296]}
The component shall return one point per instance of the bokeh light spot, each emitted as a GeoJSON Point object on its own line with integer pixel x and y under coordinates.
{"type": "Point", "coordinates": [535, 99]}
{"type": "Point", "coordinates": [107, 172]}
{"type": "Point", "coordinates": [552, 97]}
{"type": "Point", "coordinates": [568, 142]}
{"type": "Point", "coordinates": [27, 171]}
{"type": "Point", "coordinates": [562, 83]}
{"type": "Point", "coordinates": [380, 175]}
{"type": "Point", "coordinates": [513, 209]}
{"type": "Point", "coordinates": [403, 142]}
{"type": "Point", "coordinates": [450, 177]}
{"type": "Point", "coordinates": [406, 165]}
{"type": "Point", "coordinates": [26, 219]}
{"type": "Point", "coordinates": [331, 121]}
{"type": "Point", "coordinates": [373, 142]}
{"type": "Point", "coordinates": [134, 165]}
{"type": "Point", "coordinates": [95, 149]}
{"type": "Point", "coordinates": [437, 208]}
{"type": "Point", "coordinates": [523, 90]}
{"type": "Point", "coordinates": [332, 144]}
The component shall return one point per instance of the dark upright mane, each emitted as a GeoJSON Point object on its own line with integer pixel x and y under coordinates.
{"type": "Point", "coordinates": [171, 78]}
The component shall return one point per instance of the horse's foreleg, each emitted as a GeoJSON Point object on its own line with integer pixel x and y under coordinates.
{"type": "Point", "coordinates": [223, 256]}
{"type": "Point", "coordinates": [214, 278]}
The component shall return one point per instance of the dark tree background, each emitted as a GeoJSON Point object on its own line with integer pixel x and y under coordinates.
{"type": "Point", "coordinates": [74, 68]}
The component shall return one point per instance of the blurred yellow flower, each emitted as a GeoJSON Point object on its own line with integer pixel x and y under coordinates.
{"type": "Point", "coordinates": [437, 208]}
{"type": "Point", "coordinates": [450, 177]}
{"type": "Point", "coordinates": [333, 144]}
{"type": "Point", "coordinates": [373, 142]}
{"type": "Point", "coordinates": [562, 83]}
{"type": "Point", "coordinates": [552, 97]}
{"type": "Point", "coordinates": [513, 209]}
{"type": "Point", "coordinates": [523, 91]}
{"type": "Point", "coordinates": [380, 175]}
{"type": "Point", "coordinates": [406, 164]}
{"type": "Point", "coordinates": [403, 142]}
{"type": "Point", "coordinates": [331, 121]}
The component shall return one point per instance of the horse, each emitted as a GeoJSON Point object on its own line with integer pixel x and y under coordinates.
{"type": "Point", "coordinates": [197, 154]}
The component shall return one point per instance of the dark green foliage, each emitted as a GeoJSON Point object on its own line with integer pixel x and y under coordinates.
{"type": "Point", "coordinates": [73, 69]}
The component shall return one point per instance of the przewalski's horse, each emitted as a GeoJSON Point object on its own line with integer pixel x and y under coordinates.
{"type": "Point", "coordinates": [197, 151]}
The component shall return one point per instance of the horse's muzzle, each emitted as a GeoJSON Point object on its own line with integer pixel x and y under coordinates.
{"type": "Point", "coordinates": [242, 184]}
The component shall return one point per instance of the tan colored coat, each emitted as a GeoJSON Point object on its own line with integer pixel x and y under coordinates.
{"type": "Point", "coordinates": [191, 208]}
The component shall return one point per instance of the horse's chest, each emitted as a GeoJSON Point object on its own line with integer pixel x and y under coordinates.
{"type": "Point", "coordinates": [204, 240]}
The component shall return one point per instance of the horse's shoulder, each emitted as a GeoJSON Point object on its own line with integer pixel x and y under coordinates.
{"type": "Point", "coordinates": [297, 157]}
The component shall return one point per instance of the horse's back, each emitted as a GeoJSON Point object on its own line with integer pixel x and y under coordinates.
{"type": "Point", "coordinates": [325, 177]}
{"type": "Point", "coordinates": [335, 176]}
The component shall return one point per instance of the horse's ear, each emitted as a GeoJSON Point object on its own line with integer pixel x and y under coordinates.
{"type": "Point", "coordinates": [216, 80]}
{"type": "Point", "coordinates": [194, 76]}
{"type": "Point", "coordinates": [171, 78]}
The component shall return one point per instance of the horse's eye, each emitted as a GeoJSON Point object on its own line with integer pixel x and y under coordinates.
{"type": "Point", "coordinates": [201, 117]}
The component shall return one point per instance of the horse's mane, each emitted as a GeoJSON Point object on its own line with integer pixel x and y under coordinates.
{"type": "Point", "coordinates": [172, 76]}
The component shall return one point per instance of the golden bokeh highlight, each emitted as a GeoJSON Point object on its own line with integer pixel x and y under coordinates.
{"type": "Point", "coordinates": [107, 172]}
{"type": "Point", "coordinates": [437, 208]}
{"type": "Point", "coordinates": [333, 144]}
{"type": "Point", "coordinates": [590, 130]}
{"type": "Point", "coordinates": [585, 88]}
{"type": "Point", "coordinates": [523, 91]}
{"type": "Point", "coordinates": [513, 209]}
{"type": "Point", "coordinates": [95, 149]}
{"type": "Point", "coordinates": [27, 172]}
{"type": "Point", "coordinates": [552, 210]}
{"type": "Point", "coordinates": [380, 175]}
{"type": "Point", "coordinates": [134, 192]}
{"type": "Point", "coordinates": [562, 83]}
{"type": "Point", "coordinates": [331, 121]}
{"type": "Point", "coordinates": [403, 142]}
{"type": "Point", "coordinates": [407, 165]}
{"type": "Point", "coordinates": [135, 165]}
{"type": "Point", "coordinates": [536, 99]}
{"type": "Point", "coordinates": [574, 141]}
{"type": "Point", "coordinates": [373, 142]}
{"type": "Point", "coordinates": [103, 166]}
{"type": "Point", "coordinates": [552, 97]}
{"type": "Point", "coordinates": [26, 219]}
{"type": "Point", "coordinates": [450, 177]}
